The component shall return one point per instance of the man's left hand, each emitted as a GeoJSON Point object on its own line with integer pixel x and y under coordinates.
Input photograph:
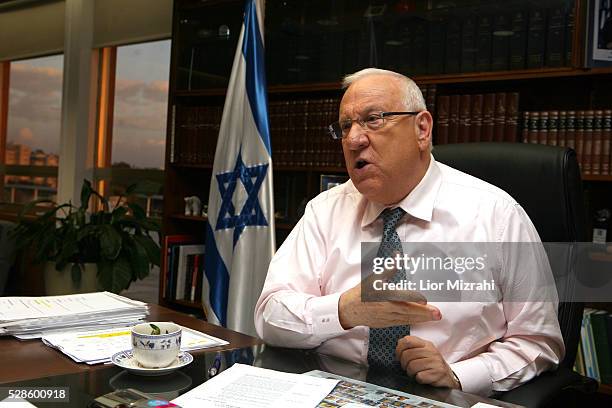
{"type": "Point", "coordinates": [421, 359]}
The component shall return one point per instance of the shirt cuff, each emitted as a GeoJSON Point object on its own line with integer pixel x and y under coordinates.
{"type": "Point", "coordinates": [474, 376]}
{"type": "Point", "coordinates": [325, 319]}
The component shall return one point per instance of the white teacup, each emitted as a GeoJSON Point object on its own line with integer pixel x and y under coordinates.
{"type": "Point", "coordinates": [156, 350]}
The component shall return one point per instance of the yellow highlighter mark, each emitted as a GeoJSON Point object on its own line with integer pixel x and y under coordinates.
{"type": "Point", "coordinates": [105, 335]}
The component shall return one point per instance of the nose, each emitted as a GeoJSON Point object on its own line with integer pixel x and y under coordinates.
{"type": "Point", "coordinates": [357, 137]}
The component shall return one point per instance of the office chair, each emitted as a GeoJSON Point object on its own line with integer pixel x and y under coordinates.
{"type": "Point", "coordinates": [545, 181]}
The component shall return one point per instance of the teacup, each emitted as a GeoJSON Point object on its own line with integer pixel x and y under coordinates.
{"type": "Point", "coordinates": [156, 350]}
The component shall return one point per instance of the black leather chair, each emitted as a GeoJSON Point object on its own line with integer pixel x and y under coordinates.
{"type": "Point", "coordinates": [545, 180]}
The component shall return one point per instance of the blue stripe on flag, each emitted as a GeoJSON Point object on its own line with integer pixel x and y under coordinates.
{"type": "Point", "coordinates": [217, 275]}
{"type": "Point", "coordinates": [253, 51]}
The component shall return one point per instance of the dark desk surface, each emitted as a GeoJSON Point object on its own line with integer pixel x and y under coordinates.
{"type": "Point", "coordinates": [25, 360]}
{"type": "Point", "coordinates": [32, 364]}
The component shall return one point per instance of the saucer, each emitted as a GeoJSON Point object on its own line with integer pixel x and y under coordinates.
{"type": "Point", "coordinates": [125, 359]}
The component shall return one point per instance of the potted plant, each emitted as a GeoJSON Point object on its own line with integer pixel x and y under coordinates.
{"type": "Point", "coordinates": [114, 240]}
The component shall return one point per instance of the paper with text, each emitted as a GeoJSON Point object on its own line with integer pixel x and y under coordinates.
{"type": "Point", "coordinates": [243, 386]}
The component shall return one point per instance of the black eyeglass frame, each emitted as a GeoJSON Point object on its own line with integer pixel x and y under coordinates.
{"type": "Point", "coordinates": [335, 128]}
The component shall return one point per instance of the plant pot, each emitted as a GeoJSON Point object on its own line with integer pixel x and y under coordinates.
{"type": "Point", "coordinates": [61, 282]}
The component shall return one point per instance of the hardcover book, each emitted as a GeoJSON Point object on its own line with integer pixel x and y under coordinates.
{"type": "Point", "coordinates": [536, 39]}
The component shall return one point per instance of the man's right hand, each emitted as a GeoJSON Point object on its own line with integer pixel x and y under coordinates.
{"type": "Point", "coordinates": [400, 307]}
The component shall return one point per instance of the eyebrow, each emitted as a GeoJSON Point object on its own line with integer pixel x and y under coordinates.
{"type": "Point", "coordinates": [368, 109]}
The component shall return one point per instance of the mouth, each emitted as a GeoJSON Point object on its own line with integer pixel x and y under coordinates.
{"type": "Point", "coordinates": [360, 164]}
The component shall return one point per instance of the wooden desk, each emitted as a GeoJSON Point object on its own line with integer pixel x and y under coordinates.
{"type": "Point", "coordinates": [25, 360]}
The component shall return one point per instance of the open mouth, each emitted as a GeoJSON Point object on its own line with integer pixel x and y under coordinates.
{"type": "Point", "coordinates": [361, 164]}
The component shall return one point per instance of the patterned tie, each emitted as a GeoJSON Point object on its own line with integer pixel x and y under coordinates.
{"type": "Point", "coordinates": [381, 351]}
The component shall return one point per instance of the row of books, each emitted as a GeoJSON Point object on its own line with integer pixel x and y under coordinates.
{"type": "Point", "coordinates": [428, 43]}
{"type": "Point", "coordinates": [182, 268]}
{"type": "Point", "coordinates": [594, 357]}
{"type": "Point", "coordinates": [194, 134]}
{"type": "Point", "coordinates": [491, 117]}
{"type": "Point", "coordinates": [586, 131]}
{"type": "Point", "coordinates": [298, 129]}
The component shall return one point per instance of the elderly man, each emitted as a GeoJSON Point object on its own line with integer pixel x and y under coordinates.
{"type": "Point", "coordinates": [397, 191]}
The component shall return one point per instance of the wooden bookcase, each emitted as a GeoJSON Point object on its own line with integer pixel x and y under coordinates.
{"type": "Point", "coordinates": [311, 44]}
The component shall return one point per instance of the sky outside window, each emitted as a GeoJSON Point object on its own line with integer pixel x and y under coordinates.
{"type": "Point", "coordinates": [141, 101]}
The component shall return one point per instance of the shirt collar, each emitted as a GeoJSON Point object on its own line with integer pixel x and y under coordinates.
{"type": "Point", "coordinates": [418, 203]}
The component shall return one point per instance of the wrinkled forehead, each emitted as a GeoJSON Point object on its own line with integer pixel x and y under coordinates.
{"type": "Point", "coordinates": [371, 94]}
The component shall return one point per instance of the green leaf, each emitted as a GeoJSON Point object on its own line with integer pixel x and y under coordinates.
{"type": "Point", "coordinates": [115, 276]}
{"type": "Point", "coordinates": [154, 329]}
{"type": "Point", "coordinates": [139, 260]}
{"type": "Point", "coordinates": [76, 273]}
{"type": "Point", "coordinates": [152, 248]}
{"type": "Point", "coordinates": [110, 242]}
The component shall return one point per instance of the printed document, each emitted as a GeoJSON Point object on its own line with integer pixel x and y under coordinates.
{"type": "Point", "coordinates": [98, 346]}
{"type": "Point", "coordinates": [243, 386]}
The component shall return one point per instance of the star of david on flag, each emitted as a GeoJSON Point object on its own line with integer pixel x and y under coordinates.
{"type": "Point", "coordinates": [240, 229]}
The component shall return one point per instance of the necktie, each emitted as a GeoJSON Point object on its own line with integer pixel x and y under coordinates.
{"type": "Point", "coordinates": [381, 349]}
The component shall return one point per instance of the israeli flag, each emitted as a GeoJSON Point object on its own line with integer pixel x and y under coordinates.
{"type": "Point", "coordinates": [240, 230]}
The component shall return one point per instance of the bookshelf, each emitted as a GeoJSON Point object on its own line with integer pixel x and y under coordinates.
{"type": "Point", "coordinates": [533, 57]}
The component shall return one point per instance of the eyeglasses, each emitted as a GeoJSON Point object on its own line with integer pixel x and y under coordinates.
{"type": "Point", "coordinates": [374, 121]}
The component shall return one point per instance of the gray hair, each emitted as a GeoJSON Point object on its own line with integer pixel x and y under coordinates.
{"type": "Point", "coordinates": [413, 98]}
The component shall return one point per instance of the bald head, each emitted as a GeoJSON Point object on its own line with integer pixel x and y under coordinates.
{"type": "Point", "coordinates": [410, 93]}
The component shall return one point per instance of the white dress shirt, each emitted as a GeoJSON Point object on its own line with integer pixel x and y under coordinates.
{"type": "Point", "coordinates": [490, 346]}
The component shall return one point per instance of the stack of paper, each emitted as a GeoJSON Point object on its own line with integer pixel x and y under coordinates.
{"type": "Point", "coordinates": [28, 317]}
{"type": "Point", "coordinates": [98, 346]}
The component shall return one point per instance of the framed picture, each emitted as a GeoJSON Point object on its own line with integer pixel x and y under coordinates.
{"type": "Point", "coordinates": [331, 180]}
{"type": "Point", "coordinates": [599, 38]}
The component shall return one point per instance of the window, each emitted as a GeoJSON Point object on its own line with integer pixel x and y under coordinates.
{"type": "Point", "coordinates": [33, 129]}
{"type": "Point", "coordinates": [138, 137]}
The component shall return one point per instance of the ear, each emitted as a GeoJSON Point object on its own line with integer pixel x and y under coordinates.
{"type": "Point", "coordinates": [424, 125]}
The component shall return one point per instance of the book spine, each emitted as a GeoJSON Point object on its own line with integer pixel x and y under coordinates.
{"type": "Point", "coordinates": [488, 111]}
{"type": "Point", "coordinates": [512, 117]}
{"type": "Point", "coordinates": [430, 101]}
{"type": "Point", "coordinates": [578, 141]}
{"type": "Point", "coordinates": [501, 43]}
{"type": "Point", "coordinates": [465, 125]}
{"type": "Point", "coordinates": [437, 43]}
{"type": "Point", "coordinates": [536, 39]}
{"type": "Point", "coordinates": [543, 128]}
{"type": "Point", "coordinates": [606, 144]}
{"type": "Point", "coordinates": [525, 127]}
{"type": "Point", "coordinates": [443, 120]}
{"type": "Point", "coordinates": [453, 121]}
{"type": "Point", "coordinates": [453, 47]}
{"type": "Point", "coordinates": [569, 34]}
{"type": "Point", "coordinates": [602, 345]}
{"type": "Point", "coordinates": [477, 101]}
{"type": "Point", "coordinates": [534, 120]}
{"type": "Point", "coordinates": [555, 37]}
{"type": "Point", "coordinates": [468, 45]}
{"type": "Point", "coordinates": [596, 151]}
{"type": "Point", "coordinates": [561, 140]}
{"type": "Point", "coordinates": [553, 128]}
{"type": "Point", "coordinates": [499, 118]}
{"type": "Point", "coordinates": [483, 57]}
{"type": "Point", "coordinates": [587, 146]}
{"type": "Point", "coordinates": [570, 130]}
{"type": "Point", "coordinates": [518, 40]}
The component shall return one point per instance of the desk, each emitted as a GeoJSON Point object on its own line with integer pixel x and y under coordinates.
{"type": "Point", "coordinates": [26, 360]}
{"type": "Point", "coordinates": [32, 364]}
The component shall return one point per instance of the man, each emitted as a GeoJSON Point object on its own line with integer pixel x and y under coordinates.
{"type": "Point", "coordinates": [312, 294]}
